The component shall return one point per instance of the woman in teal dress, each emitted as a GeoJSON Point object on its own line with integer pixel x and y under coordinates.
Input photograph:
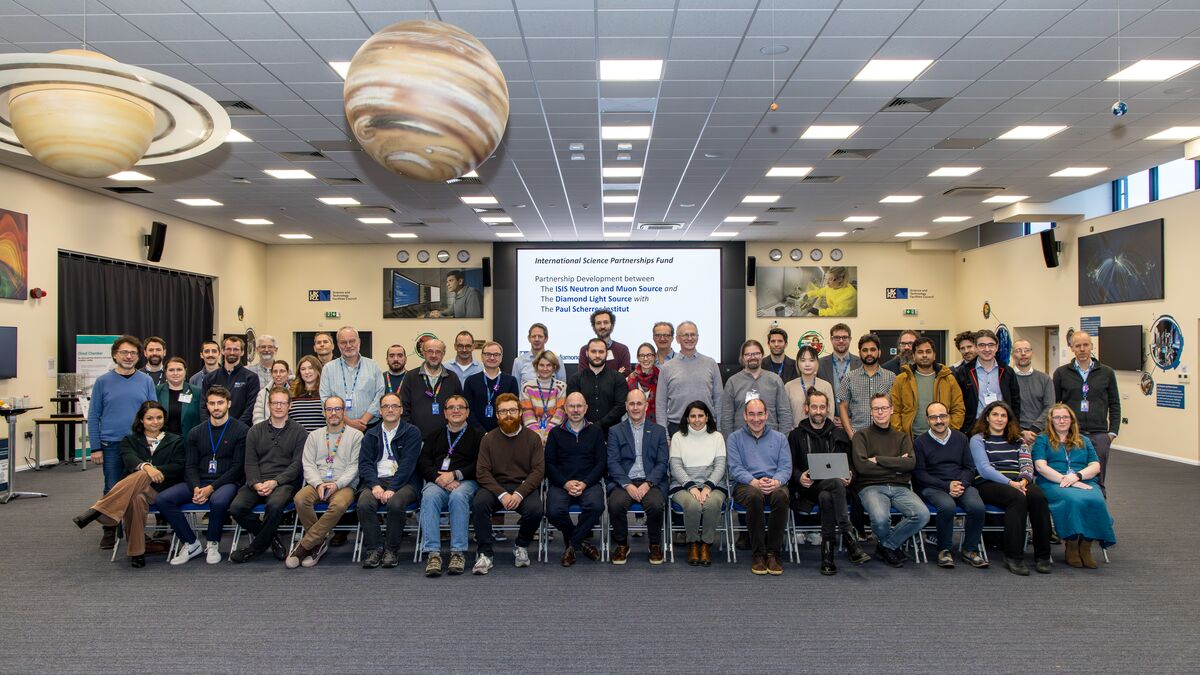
{"type": "Point", "coordinates": [1067, 466]}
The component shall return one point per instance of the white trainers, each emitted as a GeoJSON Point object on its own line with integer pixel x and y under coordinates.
{"type": "Point", "coordinates": [483, 564]}
{"type": "Point", "coordinates": [521, 553]}
{"type": "Point", "coordinates": [212, 553]}
{"type": "Point", "coordinates": [187, 552]}
{"type": "Point", "coordinates": [814, 538]}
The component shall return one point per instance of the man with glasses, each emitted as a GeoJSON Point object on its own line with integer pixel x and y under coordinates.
{"type": "Point", "coordinates": [944, 474]}
{"type": "Point", "coordinates": [464, 364]}
{"type": "Point", "coordinates": [904, 352]}
{"type": "Point", "coordinates": [862, 383]}
{"type": "Point", "coordinates": [920, 383]}
{"type": "Point", "coordinates": [355, 379]}
{"type": "Point", "coordinates": [760, 465]}
{"type": "Point", "coordinates": [834, 367]}
{"type": "Point", "coordinates": [522, 367]}
{"type": "Point", "coordinates": [883, 465]}
{"type": "Point", "coordinates": [690, 376]}
{"type": "Point", "coordinates": [663, 334]}
{"type": "Point", "coordinates": [482, 388]}
{"type": "Point", "coordinates": [266, 347]}
{"type": "Point", "coordinates": [448, 465]}
{"type": "Point", "coordinates": [427, 388]}
{"type": "Point", "coordinates": [1037, 391]}
{"type": "Point", "coordinates": [330, 464]}
{"type": "Point", "coordinates": [241, 383]}
{"type": "Point", "coordinates": [1090, 389]}
{"type": "Point", "coordinates": [752, 383]}
{"type": "Point", "coordinates": [984, 380]}
{"type": "Point", "coordinates": [388, 478]}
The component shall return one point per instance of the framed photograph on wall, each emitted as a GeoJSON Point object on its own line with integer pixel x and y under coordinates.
{"type": "Point", "coordinates": [437, 293]}
{"type": "Point", "coordinates": [1122, 265]}
{"type": "Point", "coordinates": [805, 291]}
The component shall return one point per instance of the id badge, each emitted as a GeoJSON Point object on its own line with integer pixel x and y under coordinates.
{"type": "Point", "coordinates": [212, 466]}
{"type": "Point", "coordinates": [349, 402]}
{"type": "Point", "coordinates": [488, 412]}
{"type": "Point", "coordinates": [329, 473]}
{"type": "Point", "coordinates": [989, 397]}
{"type": "Point", "coordinates": [395, 466]}
{"type": "Point", "coordinates": [185, 397]}
{"type": "Point", "coordinates": [752, 395]}
{"type": "Point", "coordinates": [446, 464]}
{"type": "Point", "coordinates": [542, 424]}
{"type": "Point", "coordinates": [436, 408]}
{"type": "Point", "coordinates": [1083, 405]}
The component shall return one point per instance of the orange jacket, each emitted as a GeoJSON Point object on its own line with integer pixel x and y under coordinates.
{"type": "Point", "coordinates": [945, 391]}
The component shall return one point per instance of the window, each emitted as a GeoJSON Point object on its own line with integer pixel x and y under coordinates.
{"type": "Point", "coordinates": [1034, 228]}
{"type": "Point", "coordinates": [1176, 178]}
{"type": "Point", "coordinates": [1138, 191]}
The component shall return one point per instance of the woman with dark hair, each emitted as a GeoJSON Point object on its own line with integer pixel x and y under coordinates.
{"type": "Point", "coordinates": [697, 466]}
{"type": "Point", "coordinates": [307, 409]}
{"type": "Point", "coordinates": [281, 376]}
{"type": "Point", "coordinates": [1004, 478]}
{"type": "Point", "coordinates": [154, 461]}
{"type": "Point", "coordinates": [181, 399]}
{"type": "Point", "coordinates": [1067, 466]}
{"type": "Point", "coordinates": [806, 380]}
{"type": "Point", "coordinates": [645, 376]}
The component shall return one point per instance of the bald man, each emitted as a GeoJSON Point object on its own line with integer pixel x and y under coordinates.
{"type": "Point", "coordinates": [637, 468]}
{"type": "Point", "coordinates": [1090, 389]}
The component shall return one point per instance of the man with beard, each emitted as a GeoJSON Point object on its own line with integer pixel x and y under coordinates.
{"type": "Point", "coordinates": [210, 356]}
{"type": "Point", "coordinates": [904, 351]}
{"type": "Point", "coordinates": [509, 471]}
{"type": "Point", "coordinates": [943, 475]}
{"type": "Point", "coordinates": [1037, 391]}
{"type": "Point", "coordinates": [237, 379]}
{"type": "Point", "coordinates": [617, 354]}
{"type": "Point", "coordinates": [861, 384]}
{"type": "Point", "coordinates": [817, 434]}
{"type": "Point", "coordinates": [427, 388]}
{"type": "Point", "coordinates": [155, 351]}
{"type": "Point", "coordinates": [984, 380]}
{"type": "Point", "coordinates": [522, 367]}
{"type": "Point", "coordinates": [920, 383]}
{"type": "Point", "coordinates": [464, 364]}
{"type": "Point", "coordinates": [265, 346]}
{"type": "Point", "coordinates": [964, 342]}
{"type": "Point", "coordinates": [834, 368]}
{"type": "Point", "coordinates": [355, 379]}
{"type": "Point", "coordinates": [576, 460]}
{"type": "Point", "coordinates": [779, 363]}
{"type": "Point", "coordinates": [754, 383]}
{"type": "Point", "coordinates": [323, 347]}
{"type": "Point", "coordinates": [603, 388]}
{"type": "Point", "coordinates": [397, 359]}
{"type": "Point", "coordinates": [388, 478]}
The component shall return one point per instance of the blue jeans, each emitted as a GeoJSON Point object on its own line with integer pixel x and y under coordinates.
{"type": "Point", "coordinates": [434, 499]}
{"type": "Point", "coordinates": [878, 501]}
{"type": "Point", "coordinates": [171, 501]}
{"type": "Point", "coordinates": [114, 468]}
{"type": "Point", "coordinates": [945, 505]}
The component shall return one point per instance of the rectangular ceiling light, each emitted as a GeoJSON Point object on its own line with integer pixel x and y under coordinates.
{"type": "Point", "coordinates": [1078, 171]}
{"type": "Point", "coordinates": [288, 174]}
{"type": "Point", "coordinates": [789, 171]}
{"type": "Point", "coordinates": [295, 236]}
{"type": "Point", "coordinates": [618, 235]}
{"type": "Point", "coordinates": [479, 200]}
{"type": "Point", "coordinates": [338, 201]}
{"type": "Point", "coordinates": [1030, 133]}
{"type": "Point", "coordinates": [760, 199]}
{"type": "Point", "coordinates": [954, 171]}
{"type": "Point", "coordinates": [723, 234]}
{"type": "Point", "coordinates": [624, 133]}
{"type": "Point", "coordinates": [1176, 134]}
{"type": "Point", "coordinates": [620, 199]}
{"type": "Point", "coordinates": [340, 67]}
{"type": "Point", "coordinates": [740, 219]}
{"type": "Point", "coordinates": [630, 69]}
{"type": "Point", "coordinates": [1005, 199]}
{"type": "Point", "coordinates": [1153, 70]}
{"type": "Point", "coordinates": [510, 235]}
{"type": "Point", "coordinates": [899, 199]}
{"type": "Point", "coordinates": [951, 219]}
{"type": "Point", "coordinates": [832, 233]}
{"type": "Point", "coordinates": [618, 219]}
{"type": "Point", "coordinates": [819, 132]}
{"type": "Point", "coordinates": [860, 219]}
{"type": "Point", "coordinates": [621, 172]}
{"type": "Point", "coordinates": [375, 221]}
{"type": "Point", "coordinates": [253, 221]}
{"type": "Point", "coordinates": [130, 176]}
{"type": "Point", "coordinates": [402, 235]}
{"type": "Point", "coordinates": [892, 70]}
{"type": "Point", "coordinates": [235, 136]}
{"type": "Point", "coordinates": [202, 201]}
{"type": "Point", "coordinates": [492, 220]}
{"type": "Point", "coordinates": [911, 234]}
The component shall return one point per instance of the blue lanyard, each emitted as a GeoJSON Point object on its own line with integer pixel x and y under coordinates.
{"type": "Point", "coordinates": [387, 442]}
{"type": "Point", "coordinates": [215, 445]}
{"type": "Point", "coordinates": [357, 372]}
{"type": "Point", "coordinates": [542, 396]}
{"type": "Point", "coordinates": [491, 389]}
{"type": "Point", "coordinates": [454, 441]}
{"type": "Point", "coordinates": [840, 373]}
{"type": "Point", "coordinates": [778, 371]}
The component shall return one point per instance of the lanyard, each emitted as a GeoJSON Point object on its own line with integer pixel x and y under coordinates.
{"type": "Point", "coordinates": [542, 396]}
{"type": "Point", "coordinates": [805, 387]}
{"type": "Point", "coordinates": [215, 445]}
{"type": "Point", "coordinates": [331, 453]}
{"type": "Point", "coordinates": [387, 382]}
{"type": "Point", "coordinates": [778, 371]}
{"type": "Point", "coordinates": [840, 372]}
{"type": "Point", "coordinates": [357, 372]}
{"type": "Point", "coordinates": [387, 440]}
{"type": "Point", "coordinates": [454, 441]}
{"type": "Point", "coordinates": [430, 390]}
{"type": "Point", "coordinates": [490, 388]}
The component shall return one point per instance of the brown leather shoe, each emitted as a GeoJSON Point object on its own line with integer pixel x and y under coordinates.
{"type": "Point", "coordinates": [693, 553]}
{"type": "Point", "coordinates": [339, 539]}
{"type": "Point", "coordinates": [773, 566]}
{"type": "Point", "coordinates": [705, 559]}
{"type": "Point", "coordinates": [758, 564]}
{"type": "Point", "coordinates": [109, 539]}
{"type": "Point", "coordinates": [1073, 558]}
{"type": "Point", "coordinates": [590, 552]}
{"type": "Point", "coordinates": [568, 557]}
{"type": "Point", "coordinates": [157, 546]}
{"type": "Point", "coordinates": [1085, 554]}
{"type": "Point", "coordinates": [656, 554]}
{"type": "Point", "coordinates": [620, 554]}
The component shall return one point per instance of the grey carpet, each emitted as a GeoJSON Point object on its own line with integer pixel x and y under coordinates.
{"type": "Point", "coordinates": [66, 609]}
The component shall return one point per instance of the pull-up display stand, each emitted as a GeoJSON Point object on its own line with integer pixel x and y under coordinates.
{"type": "Point", "coordinates": [10, 414]}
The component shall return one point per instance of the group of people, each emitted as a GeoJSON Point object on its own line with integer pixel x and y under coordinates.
{"type": "Point", "coordinates": [628, 433]}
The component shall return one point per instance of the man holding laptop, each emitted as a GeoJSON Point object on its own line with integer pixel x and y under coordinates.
{"type": "Point", "coordinates": [821, 476]}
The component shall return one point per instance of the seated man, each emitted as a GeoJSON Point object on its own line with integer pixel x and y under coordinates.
{"type": "Point", "coordinates": [510, 469]}
{"type": "Point", "coordinates": [330, 463]}
{"type": "Point", "coordinates": [273, 450]}
{"type": "Point", "coordinates": [760, 465]}
{"type": "Point", "coordinates": [447, 464]}
{"type": "Point", "coordinates": [576, 460]}
{"type": "Point", "coordinates": [943, 475]}
{"type": "Point", "coordinates": [883, 464]}
{"type": "Point", "coordinates": [387, 476]}
{"type": "Point", "coordinates": [637, 466]}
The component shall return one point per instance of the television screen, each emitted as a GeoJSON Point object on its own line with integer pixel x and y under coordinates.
{"type": "Point", "coordinates": [8, 352]}
{"type": "Point", "coordinates": [1122, 265]}
{"type": "Point", "coordinates": [1122, 347]}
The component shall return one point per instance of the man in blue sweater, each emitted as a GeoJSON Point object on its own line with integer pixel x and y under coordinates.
{"type": "Point", "coordinates": [116, 397]}
{"type": "Point", "coordinates": [240, 381]}
{"type": "Point", "coordinates": [576, 459]}
{"type": "Point", "coordinates": [760, 464]}
{"type": "Point", "coordinates": [943, 476]}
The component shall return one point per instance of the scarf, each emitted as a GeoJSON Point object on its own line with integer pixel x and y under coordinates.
{"type": "Point", "coordinates": [647, 382]}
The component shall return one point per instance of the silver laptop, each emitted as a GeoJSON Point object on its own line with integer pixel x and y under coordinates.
{"type": "Point", "coordinates": [822, 465]}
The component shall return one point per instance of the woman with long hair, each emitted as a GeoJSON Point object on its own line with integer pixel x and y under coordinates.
{"type": "Point", "coordinates": [697, 467]}
{"type": "Point", "coordinates": [281, 376]}
{"type": "Point", "coordinates": [807, 362]}
{"type": "Point", "coordinates": [307, 409]}
{"type": "Point", "coordinates": [645, 377]}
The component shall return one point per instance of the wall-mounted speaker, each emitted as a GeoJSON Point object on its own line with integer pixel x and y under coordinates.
{"type": "Point", "coordinates": [751, 270]}
{"type": "Point", "coordinates": [1050, 248]}
{"type": "Point", "coordinates": [155, 241]}
{"type": "Point", "coordinates": [487, 271]}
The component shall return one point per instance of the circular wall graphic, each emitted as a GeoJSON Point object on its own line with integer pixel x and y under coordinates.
{"type": "Point", "coordinates": [1166, 342]}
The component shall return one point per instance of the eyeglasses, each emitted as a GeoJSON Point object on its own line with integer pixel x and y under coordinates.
{"type": "Point", "coordinates": [907, 344]}
{"type": "Point", "coordinates": [749, 355]}
{"type": "Point", "coordinates": [840, 338]}
{"type": "Point", "coordinates": [661, 335]}
{"type": "Point", "coordinates": [1022, 350]}
{"type": "Point", "coordinates": [335, 409]}
{"type": "Point", "coordinates": [508, 412]}
{"type": "Point", "coordinates": [645, 356]}
{"type": "Point", "coordinates": [932, 418]}
{"type": "Point", "coordinates": [456, 408]}
{"type": "Point", "coordinates": [1061, 418]}
{"type": "Point", "coordinates": [985, 345]}
{"type": "Point", "coordinates": [881, 408]}
{"type": "Point", "coordinates": [279, 403]}
{"type": "Point", "coordinates": [126, 352]}
{"type": "Point", "coordinates": [390, 406]}
{"type": "Point", "coordinates": [492, 355]}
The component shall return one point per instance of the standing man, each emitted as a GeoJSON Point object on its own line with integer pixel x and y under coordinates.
{"type": "Point", "coordinates": [920, 383]}
{"type": "Point", "coordinates": [1037, 392]}
{"type": "Point", "coordinates": [834, 368]}
{"type": "Point", "coordinates": [617, 354]}
{"type": "Point", "coordinates": [210, 356]}
{"type": "Point", "coordinates": [1090, 389]}
{"type": "Point", "coordinates": [241, 383]}
{"type": "Point", "coordinates": [323, 347]}
{"type": "Point", "coordinates": [603, 388]}
{"type": "Point", "coordinates": [964, 342]}
{"type": "Point", "coordinates": [754, 383]}
{"type": "Point", "coordinates": [522, 367]}
{"type": "Point", "coordinates": [779, 362]}
{"type": "Point", "coordinates": [860, 384]}
{"type": "Point", "coordinates": [462, 301]}
{"type": "Point", "coordinates": [576, 460]}
{"type": "Point", "coordinates": [273, 450]}
{"type": "Point", "coordinates": [482, 388]}
{"type": "Point", "coordinates": [760, 464]}
{"type": "Point", "coordinates": [983, 380]}
{"type": "Point", "coordinates": [397, 360]}
{"type": "Point", "coordinates": [116, 397]}
{"type": "Point", "coordinates": [330, 463]}
{"type": "Point", "coordinates": [464, 364]}
{"type": "Point", "coordinates": [155, 351]}
{"type": "Point", "coordinates": [355, 379]}
{"type": "Point", "coordinates": [426, 390]}
{"type": "Point", "coordinates": [387, 476]}
{"type": "Point", "coordinates": [904, 352]}
{"type": "Point", "coordinates": [690, 376]}
{"type": "Point", "coordinates": [663, 334]}
{"type": "Point", "coordinates": [637, 468]}
{"type": "Point", "coordinates": [265, 346]}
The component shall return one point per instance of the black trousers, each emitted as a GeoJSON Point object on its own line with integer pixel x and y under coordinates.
{"type": "Point", "coordinates": [619, 503]}
{"type": "Point", "coordinates": [242, 510]}
{"type": "Point", "coordinates": [755, 503]}
{"type": "Point", "coordinates": [591, 509]}
{"type": "Point", "coordinates": [830, 497]}
{"type": "Point", "coordinates": [396, 517]}
{"type": "Point", "coordinates": [1017, 508]}
{"type": "Point", "coordinates": [486, 504]}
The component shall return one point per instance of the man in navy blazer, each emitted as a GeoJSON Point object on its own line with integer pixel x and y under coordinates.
{"type": "Point", "coordinates": [637, 468]}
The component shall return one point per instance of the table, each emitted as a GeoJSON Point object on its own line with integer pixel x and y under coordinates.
{"type": "Point", "coordinates": [10, 414]}
{"type": "Point", "coordinates": [70, 423]}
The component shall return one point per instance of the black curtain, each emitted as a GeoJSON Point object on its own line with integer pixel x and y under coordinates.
{"type": "Point", "coordinates": [102, 296]}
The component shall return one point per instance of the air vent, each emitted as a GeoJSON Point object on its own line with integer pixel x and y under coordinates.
{"type": "Point", "coordinates": [437, 221]}
{"type": "Point", "coordinates": [655, 226]}
{"type": "Point", "coordinates": [628, 105]}
{"type": "Point", "coordinates": [621, 187]}
{"type": "Point", "coordinates": [345, 180]}
{"type": "Point", "coordinates": [917, 104]}
{"type": "Point", "coordinates": [239, 108]}
{"type": "Point", "coordinates": [415, 223]}
{"type": "Point", "coordinates": [764, 223]}
{"type": "Point", "coordinates": [960, 143]}
{"type": "Point", "coordinates": [820, 179]}
{"type": "Point", "coordinates": [303, 156]}
{"type": "Point", "coordinates": [128, 190]}
{"type": "Point", "coordinates": [852, 153]}
{"type": "Point", "coordinates": [782, 209]}
{"type": "Point", "coordinates": [336, 146]}
{"type": "Point", "coordinates": [972, 191]}
{"type": "Point", "coordinates": [828, 219]}
{"type": "Point", "coordinates": [363, 211]}
{"type": "Point", "coordinates": [465, 181]}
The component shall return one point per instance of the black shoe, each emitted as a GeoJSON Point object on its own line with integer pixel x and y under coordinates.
{"type": "Point", "coordinates": [278, 549]}
{"type": "Point", "coordinates": [742, 543]}
{"type": "Point", "coordinates": [889, 555]}
{"type": "Point", "coordinates": [827, 566]}
{"type": "Point", "coordinates": [373, 559]}
{"type": "Point", "coordinates": [244, 555]}
{"type": "Point", "coordinates": [854, 549]}
{"type": "Point", "coordinates": [1043, 566]}
{"type": "Point", "coordinates": [1017, 567]}
{"type": "Point", "coordinates": [138, 561]}
{"type": "Point", "coordinates": [84, 519]}
{"type": "Point", "coordinates": [391, 558]}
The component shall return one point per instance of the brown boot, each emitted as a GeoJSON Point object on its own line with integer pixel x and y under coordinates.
{"type": "Point", "coordinates": [693, 553]}
{"type": "Point", "coordinates": [705, 555]}
{"type": "Point", "coordinates": [1085, 554]}
{"type": "Point", "coordinates": [1073, 553]}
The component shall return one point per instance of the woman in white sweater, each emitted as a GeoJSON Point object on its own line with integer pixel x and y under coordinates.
{"type": "Point", "coordinates": [697, 466]}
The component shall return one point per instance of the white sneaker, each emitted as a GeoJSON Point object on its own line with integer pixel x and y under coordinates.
{"type": "Point", "coordinates": [186, 553]}
{"type": "Point", "coordinates": [483, 564]}
{"type": "Point", "coordinates": [814, 538]}
{"type": "Point", "coordinates": [212, 553]}
{"type": "Point", "coordinates": [521, 553]}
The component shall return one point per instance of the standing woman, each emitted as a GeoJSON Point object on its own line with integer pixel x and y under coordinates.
{"type": "Point", "coordinates": [697, 467]}
{"type": "Point", "coordinates": [180, 398]}
{"type": "Point", "coordinates": [281, 376]}
{"type": "Point", "coordinates": [807, 362]}
{"type": "Point", "coordinates": [543, 400]}
{"type": "Point", "coordinates": [1004, 478]}
{"type": "Point", "coordinates": [307, 409]}
{"type": "Point", "coordinates": [153, 460]}
{"type": "Point", "coordinates": [1067, 466]}
{"type": "Point", "coordinates": [645, 377]}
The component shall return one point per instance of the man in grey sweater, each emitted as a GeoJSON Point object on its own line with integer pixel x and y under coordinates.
{"type": "Point", "coordinates": [330, 462]}
{"type": "Point", "coordinates": [690, 376]}
{"type": "Point", "coordinates": [1037, 391]}
{"type": "Point", "coordinates": [752, 382]}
